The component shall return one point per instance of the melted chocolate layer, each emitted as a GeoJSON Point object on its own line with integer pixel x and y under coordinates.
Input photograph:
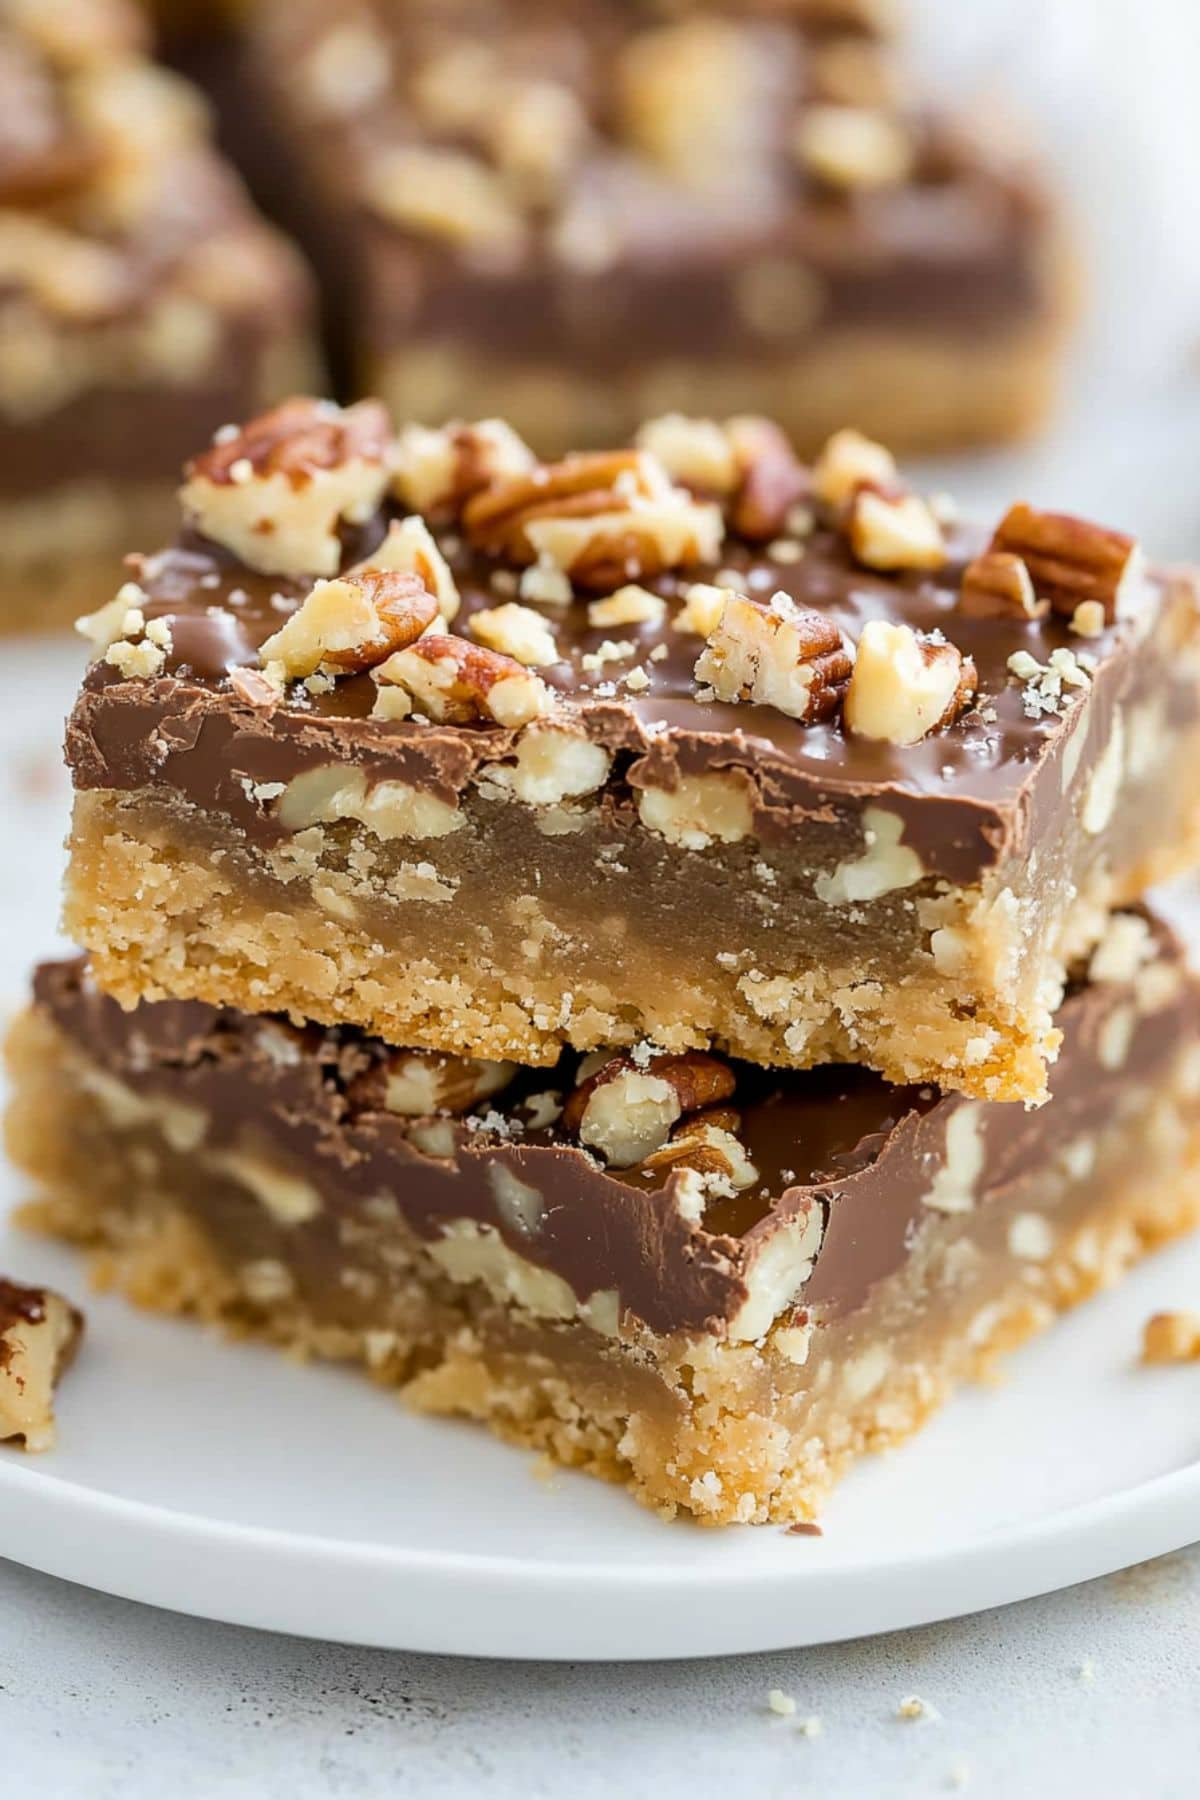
{"type": "Point", "coordinates": [985, 789]}
{"type": "Point", "coordinates": [841, 1141]}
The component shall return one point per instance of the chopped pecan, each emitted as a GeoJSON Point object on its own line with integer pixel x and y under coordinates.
{"type": "Point", "coordinates": [626, 1110]}
{"type": "Point", "coordinates": [451, 680]}
{"type": "Point", "coordinates": [602, 518]}
{"type": "Point", "coordinates": [848, 462]}
{"type": "Point", "coordinates": [416, 1083]}
{"type": "Point", "coordinates": [894, 533]}
{"type": "Point", "coordinates": [779, 655]}
{"type": "Point", "coordinates": [905, 685]}
{"type": "Point", "coordinates": [411, 549]}
{"type": "Point", "coordinates": [276, 491]}
{"type": "Point", "coordinates": [300, 439]}
{"type": "Point", "coordinates": [436, 472]}
{"type": "Point", "coordinates": [773, 481]}
{"type": "Point", "coordinates": [997, 585]}
{"type": "Point", "coordinates": [697, 452]}
{"type": "Point", "coordinates": [351, 624]}
{"type": "Point", "coordinates": [707, 1143]}
{"type": "Point", "coordinates": [39, 1336]}
{"type": "Point", "coordinates": [1071, 560]}
{"type": "Point", "coordinates": [517, 631]}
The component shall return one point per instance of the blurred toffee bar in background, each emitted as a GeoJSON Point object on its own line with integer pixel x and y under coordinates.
{"type": "Point", "coordinates": [714, 1283]}
{"type": "Point", "coordinates": [688, 742]}
{"type": "Point", "coordinates": [576, 215]}
{"type": "Point", "coordinates": [141, 299]}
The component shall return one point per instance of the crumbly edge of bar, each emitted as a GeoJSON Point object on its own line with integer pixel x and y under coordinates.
{"type": "Point", "coordinates": [903, 388]}
{"type": "Point", "coordinates": [160, 922]}
{"type": "Point", "coordinates": [674, 1420]}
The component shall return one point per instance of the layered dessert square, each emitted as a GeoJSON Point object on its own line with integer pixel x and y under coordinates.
{"type": "Point", "coordinates": [687, 742]}
{"type": "Point", "coordinates": [713, 1283]}
{"type": "Point", "coordinates": [141, 300]}
{"type": "Point", "coordinates": [575, 216]}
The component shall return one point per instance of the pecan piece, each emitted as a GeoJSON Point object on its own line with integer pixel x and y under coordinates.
{"type": "Point", "coordinates": [1071, 560]}
{"type": "Point", "coordinates": [453, 681]}
{"type": "Point", "coordinates": [437, 472]}
{"type": "Point", "coordinates": [894, 532]}
{"type": "Point", "coordinates": [625, 1112]}
{"type": "Point", "coordinates": [779, 655]}
{"type": "Point", "coordinates": [850, 461]}
{"type": "Point", "coordinates": [276, 491]}
{"type": "Point", "coordinates": [39, 1336]}
{"type": "Point", "coordinates": [708, 1145]}
{"type": "Point", "coordinates": [602, 519]}
{"type": "Point", "coordinates": [773, 481]}
{"type": "Point", "coordinates": [351, 624]}
{"type": "Point", "coordinates": [905, 685]}
{"type": "Point", "coordinates": [997, 585]}
{"type": "Point", "coordinates": [418, 1083]}
{"type": "Point", "coordinates": [410, 548]}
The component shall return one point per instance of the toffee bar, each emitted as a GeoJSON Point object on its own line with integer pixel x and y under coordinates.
{"type": "Point", "coordinates": [689, 741]}
{"type": "Point", "coordinates": [716, 1284]}
{"type": "Point", "coordinates": [577, 215]}
{"type": "Point", "coordinates": [142, 300]}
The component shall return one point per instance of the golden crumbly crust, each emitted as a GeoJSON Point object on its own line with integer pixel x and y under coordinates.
{"type": "Point", "coordinates": [723, 1433]}
{"type": "Point", "coordinates": [166, 917]}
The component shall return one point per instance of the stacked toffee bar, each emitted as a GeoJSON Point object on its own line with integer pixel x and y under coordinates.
{"type": "Point", "coordinates": [142, 300]}
{"type": "Point", "coordinates": [579, 215]}
{"type": "Point", "coordinates": [641, 950]}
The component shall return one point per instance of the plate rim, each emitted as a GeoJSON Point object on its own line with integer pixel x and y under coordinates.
{"type": "Point", "coordinates": [458, 1602]}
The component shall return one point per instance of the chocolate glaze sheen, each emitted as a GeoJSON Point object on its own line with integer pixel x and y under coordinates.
{"type": "Point", "coordinates": [984, 789]}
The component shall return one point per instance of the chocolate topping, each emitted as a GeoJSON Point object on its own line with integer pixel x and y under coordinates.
{"type": "Point", "coordinates": [842, 1141]}
{"type": "Point", "coordinates": [970, 795]}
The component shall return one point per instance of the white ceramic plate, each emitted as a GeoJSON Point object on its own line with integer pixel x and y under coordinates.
{"type": "Point", "coordinates": [223, 1481]}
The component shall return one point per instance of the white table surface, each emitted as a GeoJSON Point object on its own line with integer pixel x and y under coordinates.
{"type": "Point", "coordinates": [101, 1699]}
{"type": "Point", "coordinates": [104, 1700]}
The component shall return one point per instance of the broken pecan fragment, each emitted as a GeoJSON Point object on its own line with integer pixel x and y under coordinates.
{"type": "Point", "coordinates": [299, 439]}
{"type": "Point", "coordinates": [906, 685]}
{"type": "Point", "coordinates": [276, 491]}
{"type": "Point", "coordinates": [39, 1336]}
{"type": "Point", "coordinates": [779, 655]}
{"type": "Point", "coordinates": [707, 1143]}
{"type": "Point", "coordinates": [437, 472]}
{"type": "Point", "coordinates": [774, 482]}
{"type": "Point", "coordinates": [894, 532]}
{"type": "Point", "coordinates": [625, 1111]}
{"type": "Point", "coordinates": [1071, 560]}
{"type": "Point", "coordinates": [602, 518]}
{"type": "Point", "coordinates": [997, 585]}
{"type": "Point", "coordinates": [449, 679]}
{"type": "Point", "coordinates": [417, 1083]}
{"type": "Point", "coordinates": [351, 624]}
